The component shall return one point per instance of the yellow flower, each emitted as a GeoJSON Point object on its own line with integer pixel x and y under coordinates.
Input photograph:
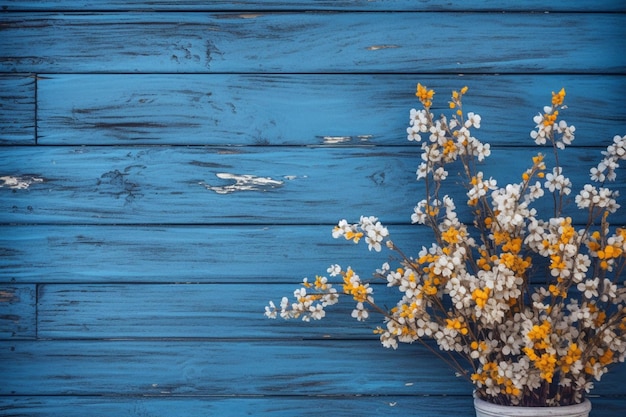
{"type": "Point", "coordinates": [556, 291]}
{"type": "Point", "coordinates": [606, 358]}
{"type": "Point", "coordinates": [354, 236]}
{"type": "Point", "coordinates": [573, 354]}
{"type": "Point", "coordinates": [457, 325]}
{"type": "Point", "coordinates": [481, 296]}
{"type": "Point", "coordinates": [452, 235]}
{"type": "Point", "coordinates": [540, 332]}
{"type": "Point", "coordinates": [557, 98]}
{"type": "Point", "coordinates": [550, 118]}
{"type": "Point", "coordinates": [425, 95]}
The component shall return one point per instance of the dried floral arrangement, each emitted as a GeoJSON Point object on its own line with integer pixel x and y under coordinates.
{"type": "Point", "coordinates": [471, 292]}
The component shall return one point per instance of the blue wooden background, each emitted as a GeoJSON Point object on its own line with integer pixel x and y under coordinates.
{"type": "Point", "coordinates": [168, 167]}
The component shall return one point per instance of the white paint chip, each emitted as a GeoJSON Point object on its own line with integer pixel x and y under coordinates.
{"type": "Point", "coordinates": [334, 140]}
{"type": "Point", "coordinates": [338, 140]}
{"type": "Point", "coordinates": [378, 47]}
{"type": "Point", "coordinates": [18, 183]}
{"type": "Point", "coordinates": [243, 183]}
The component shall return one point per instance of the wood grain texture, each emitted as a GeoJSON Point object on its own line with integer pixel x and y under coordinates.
{"type": "Point", "coordinates": [365, 5]}
{"type": "Point", "coordinates": [212, 311]}
{"type": "Point", "coordinates": [286, 406]}
{"type": "Point", "coordinates": [366, 109]}
{"type": "Point", "coordinates": [196, 156]}
{"type": "Point", "coordinates": [17, 110]}
{"type": "Point", "coordinates": [227, 367]}
{"type": "Point", "coordinates": [339, 43]}
{"type": "Point", "coordinates": [194, 185]}
{"type": "Point", "coordinates": [18, 311]}
{"type": "Point", "coordinates": [230, 367]}
{"type": "Point", "coordinates": [203, 311]}
{"type": "Point", "coordinates": [187, 254]}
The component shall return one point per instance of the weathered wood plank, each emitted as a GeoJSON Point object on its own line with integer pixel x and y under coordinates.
{"type": "Point", "coordinates": [307, 109]}
{"type": "Point", "coordinates": [199, 254]}
{"type": "Point", "coordinates": [230, 367]}
{"type": "Point", "coordinates": [17, 110]}
{"type": "Point", "coordinates": [365, 5]}
{"type": "Point", "coordinates": [226, 367]}
{"type": "Point", "coordinates": [340, 42]}
{"type": "Point", "coordinates": [276, 406]}
{"type": "Point", "coordinates": [208, 311]}
{"type": "Point", "coordinates": [18, 311]}
{"type": "Point", "coordinates": [286, 406]}
{"type": "Point", "coordinates": [261, 185]}
{"type": "Point", "coordinates": [190, 311]}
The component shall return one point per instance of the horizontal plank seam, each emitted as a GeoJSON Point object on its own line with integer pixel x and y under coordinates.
{"type": "Point", "coordinates": [306, 10]}
{"type": "Point", "coordinates": [343, 73]}
{"type": "Point", "coordinates": [412, 147]}
{"type": "Point", "coordinates": [230, 396]}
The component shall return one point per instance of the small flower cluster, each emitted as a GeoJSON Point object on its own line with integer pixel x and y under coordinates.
{"type": "Point", "coordinates": [472, 292]}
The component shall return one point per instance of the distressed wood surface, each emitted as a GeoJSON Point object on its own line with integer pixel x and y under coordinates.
{"type": "Point", "coordinates": [209, 311]}
{"type": "Point", "coordinates": [193, 185]}
{"type": "Point", "coordinates": [17, 110]}
{"type": "Point", "coordinates": [230, 367]}
{"type": "Point", "coordinates": [279, 406]}
{"type": "Point", "coordinates": [18, 314]}
{"type": "Point", "coordinates": [366, 109]}
{"type": "Point", "coordinates": [187, 254]}
{"type": "Point", "coordinates": [340, 42]}
{"type": "Point", "coordinates": [364, 5]}
{"type": "Point", "coordinates": [192, 159]}
{"type": "Point", "coordinates": [287, 406]}
{"type": "Point", "coordinates": [223, 367]}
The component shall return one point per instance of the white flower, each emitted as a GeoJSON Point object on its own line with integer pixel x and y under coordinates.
{"type": "Point", "coordinates": [317, 312]}
{"type": "Point", "coordinates": [418, 120]}
{"type": "Point", "coordinates": [419, 216]}
{"type": "Point", "coordinates": [375, 232]}
{"type": "Point", "coordinates": [360, 313]}
{"type": "Point", "coordinates": [437, 133]}
{"type": "Point", "coordinates": [606, 168]}
{"type": "Point", "coordinates": [589, 287]}
{"type": "Point", "coordinates": [473, 120]}
{"type": "Point", "coordinates": [341, 229]}
{"type": "Point", "coordinates": [334, 270]}
{"type": "Point", "coordinates": [556, 181]}
{"type": "Point", "coordinates": [567, 134]}
{"type": "Point", "coordinates": [591, 196]}
{"type": "Point", "coordinates": [609, 290]}
{"type": "Point", "coordinates": [270, 310]}
{"type": "Point", "coordinates": [413, 134]}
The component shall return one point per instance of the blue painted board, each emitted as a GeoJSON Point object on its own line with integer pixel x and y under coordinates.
{"type": "Point", "coordinates": [17, 110]}
{"type": "Point", "coordinates": [365, 5]}
{"type": "Point", "coordinates": [276, 406]}
{"type": "Point", "coordinates": [308, 109]}
{"type": "Point", "coordinates": [231, 367]}
{"type": "Point", "coordinates": [18, 311]}
{"type": "Point", "coordinates": [250, 255]}
{"type": "Point", "coordinates": [208, 311]}
{"type": "Point", "coordinates": [235, 135]}
{"type": "Point", "coordinates": [254, 185]}
{"type": "Point", "coordinates": [224, 367]}
{"type": "Point", "coordinates": [339, 43]}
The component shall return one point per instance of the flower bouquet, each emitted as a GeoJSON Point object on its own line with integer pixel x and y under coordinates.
{"type": "Point", "coordinates": [531, 310]}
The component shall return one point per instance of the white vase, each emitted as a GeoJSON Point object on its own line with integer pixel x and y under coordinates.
{"type": "Point", "coordinates": [487, 409]}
